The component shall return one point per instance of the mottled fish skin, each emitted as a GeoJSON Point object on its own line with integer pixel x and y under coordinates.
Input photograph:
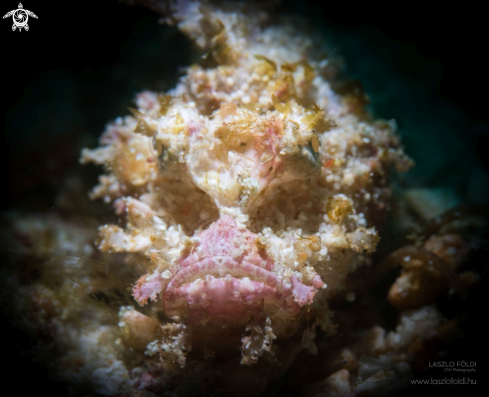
{"type": "Point", "coordinates": [251, 189]}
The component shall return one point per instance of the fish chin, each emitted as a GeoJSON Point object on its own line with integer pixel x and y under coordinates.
{"type": "Point", "coordinates": [227, 278]}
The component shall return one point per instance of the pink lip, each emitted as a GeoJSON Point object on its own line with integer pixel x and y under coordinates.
{"type": "Point", "coordinates": [202, 287]}
{"type": "Point", "coordinates": [228, 299]}
{"type": "Point", "coordinates": [214, 284]}
{"type": "Point", "coordinates": [227, 277]}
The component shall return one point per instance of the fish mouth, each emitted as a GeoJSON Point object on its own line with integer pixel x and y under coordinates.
{"type": "Point", "coordinates": [226, 277]}
{"type": "Point", "coordinates": [223, 288]}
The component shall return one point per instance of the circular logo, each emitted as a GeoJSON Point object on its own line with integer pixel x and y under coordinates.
{"type": "Point", "coordinates": [20, 17]}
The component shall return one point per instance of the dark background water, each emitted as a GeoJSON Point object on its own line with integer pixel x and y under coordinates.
{"type": "Point", "coordinates": [80, 65]}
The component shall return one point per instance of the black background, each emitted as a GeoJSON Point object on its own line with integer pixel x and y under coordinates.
{"type": "Point", "coordinates": [91, 45]}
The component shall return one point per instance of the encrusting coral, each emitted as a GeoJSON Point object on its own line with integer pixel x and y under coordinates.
{"type": "Point", "coordinates": [247, 194]}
